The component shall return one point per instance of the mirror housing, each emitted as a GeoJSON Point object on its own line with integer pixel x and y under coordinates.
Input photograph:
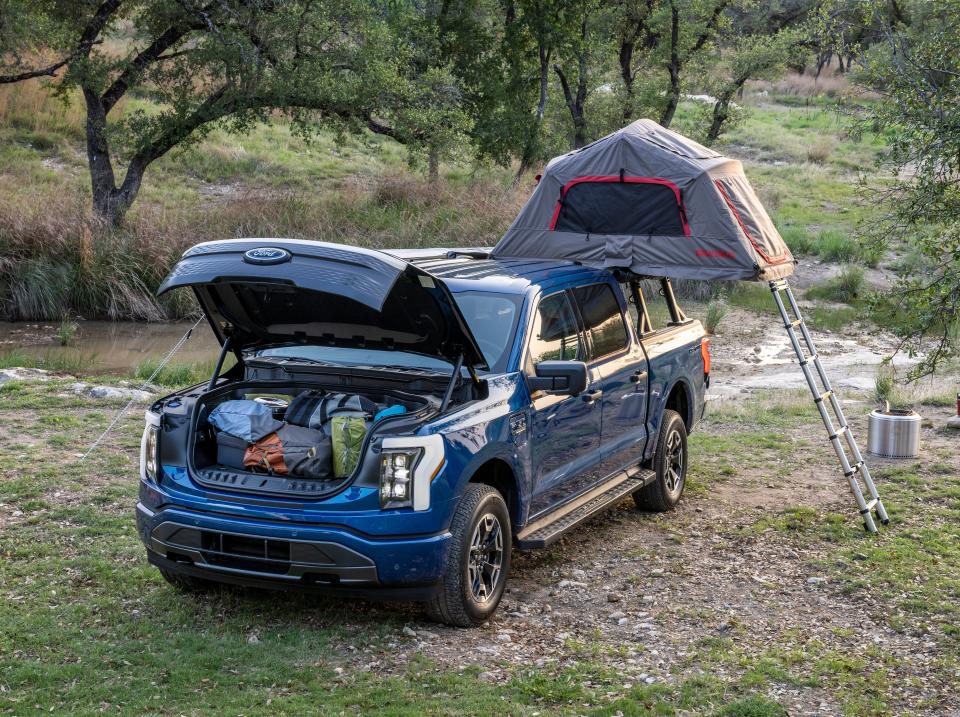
{"type": "Point", "coordinates": [559, 377]}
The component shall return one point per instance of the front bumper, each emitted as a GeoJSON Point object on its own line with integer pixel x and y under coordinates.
{"type": "Point", "coordinates": [274, 555]}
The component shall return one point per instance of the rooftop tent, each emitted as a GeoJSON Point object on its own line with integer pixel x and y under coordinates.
{"type": "Point", "coordinates": [653, 202]}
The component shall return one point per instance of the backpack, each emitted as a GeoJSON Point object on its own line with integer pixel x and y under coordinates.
{"type": "Point", "coordinates": [292, 450]}
{"type": "Point", "coordinates": [314, 409]}
{"type": "Point", "coordinates": [347, 434]}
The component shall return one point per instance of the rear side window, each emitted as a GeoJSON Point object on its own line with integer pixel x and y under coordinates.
{"type": "Point", "coordinates": [601, 318]}
{"type": "Point", "coordinates": [633, 208]}
{"type": "Point", "coordinates": [555, 336]}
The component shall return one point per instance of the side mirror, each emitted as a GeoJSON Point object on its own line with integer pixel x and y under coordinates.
{"type": "Point", "coordinates": [562, 377]}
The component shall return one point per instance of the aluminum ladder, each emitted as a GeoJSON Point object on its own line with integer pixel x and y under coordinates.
{"type": "Point", "coordinates": [858, 470]}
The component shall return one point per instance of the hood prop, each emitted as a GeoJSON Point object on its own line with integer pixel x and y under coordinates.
{"type": "Point", "coordinates": [454, 380]}
{"type": "Point", "coordinates": [220, 360]}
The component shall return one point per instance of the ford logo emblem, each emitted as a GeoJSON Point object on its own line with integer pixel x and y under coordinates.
{"type": "Point", "coordinates": [266, 255]}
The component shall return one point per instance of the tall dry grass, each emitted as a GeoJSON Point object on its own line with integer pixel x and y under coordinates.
{"type": "Point", "coordinates": [57, 259]}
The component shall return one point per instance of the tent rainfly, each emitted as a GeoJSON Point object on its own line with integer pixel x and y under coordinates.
{"type": "Point", "coordinates": [650, 201]}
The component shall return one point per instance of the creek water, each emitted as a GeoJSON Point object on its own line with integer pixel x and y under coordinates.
{"type": "Point", "coordinates": [110, 346]}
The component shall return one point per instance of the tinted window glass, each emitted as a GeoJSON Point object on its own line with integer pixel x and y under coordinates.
{"type": "Point", "coordinates": [491, 319]}
{"type": "Point", "coordinates": [620, 208]}
{"type": "Point", "coordinates": [602, 318]}
{"type": "Point", "coordinates": [555, 336]}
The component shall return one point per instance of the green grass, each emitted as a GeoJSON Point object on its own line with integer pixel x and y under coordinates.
{"type": "Point", "coordinates": [848, 286]}
{"type": "Point", "coordinates": [87, 626]}
{"type": "Point", "coordinates": [71, 361]}
{"type": "Point", "coordinates": [177, 374]}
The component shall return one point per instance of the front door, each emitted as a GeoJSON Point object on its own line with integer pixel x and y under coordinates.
{"type": "Point", "coordinates": [619, 360]}
{"type": "Point", "coordinates": [565, 444]}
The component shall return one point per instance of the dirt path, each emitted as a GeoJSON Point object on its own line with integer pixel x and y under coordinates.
{"type": "Point", "coordinates": [663, 598]}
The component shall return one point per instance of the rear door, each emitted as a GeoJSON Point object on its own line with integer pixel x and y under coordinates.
{"type": "Point", "coordinates": [565, 449]}
{"type": "Point", "coordinates": [618, 360]}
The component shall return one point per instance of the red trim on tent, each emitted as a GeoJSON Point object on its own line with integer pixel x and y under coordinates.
{"type": "Point", "coordinates": [743, 226]}
{"type": "Point", "coordinates": [628, 180]}
{"type": "Point", "coordinates": [716, 253]}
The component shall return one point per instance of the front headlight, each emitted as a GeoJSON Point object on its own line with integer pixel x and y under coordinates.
{"type": "Point", "coordinates": [397, 469]}
{"type": "Point", "coordinates": [149, 460]}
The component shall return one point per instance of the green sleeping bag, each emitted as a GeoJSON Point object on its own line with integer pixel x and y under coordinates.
{"type": "Point", "coordinates": [347, 434]}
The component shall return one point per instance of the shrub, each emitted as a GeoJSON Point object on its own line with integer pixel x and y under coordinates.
{"type": "Point", "coordinates": [835, 246]}
{"type": "Point", "coordinates": [716, 310]}
{"type": "Point", "coordinates": [67, 331]}
{"type": "Point", "coordinates": [846, 287]}
{"type": "Point", "coordinates": [798, 239]}
{"type": "Point", "coordinates": [819, 151]}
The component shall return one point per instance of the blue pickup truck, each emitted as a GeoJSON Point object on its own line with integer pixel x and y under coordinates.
{"type": "Point", "coordinates": [507, 401]}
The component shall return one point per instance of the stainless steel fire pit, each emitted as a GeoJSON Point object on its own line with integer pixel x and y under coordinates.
{"type": "Point", "coordinates": [894, 434]}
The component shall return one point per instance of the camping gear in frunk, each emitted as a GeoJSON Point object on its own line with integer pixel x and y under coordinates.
{"type": "Point", "coordinates": [314, 409]}
{"type": "Point", "coordinates": [291, 450]}
{"type": "Point", "coordinates": [248, 420]}
{"type": "Point", "coordinates": [347, 434]}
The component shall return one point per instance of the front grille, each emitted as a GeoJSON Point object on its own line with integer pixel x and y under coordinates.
{"type": "Point", "coordinates": [311, 562]}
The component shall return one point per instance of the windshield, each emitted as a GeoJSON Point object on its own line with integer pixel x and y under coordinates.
{"type": "Point", "coordinates": [492, 319]}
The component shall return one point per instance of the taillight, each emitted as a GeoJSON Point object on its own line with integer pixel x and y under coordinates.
{"type": "Point", "coordinates": [705, 352]}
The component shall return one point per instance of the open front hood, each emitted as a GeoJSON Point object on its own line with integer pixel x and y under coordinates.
{"type": "Point", "coordinates": [269, 291]}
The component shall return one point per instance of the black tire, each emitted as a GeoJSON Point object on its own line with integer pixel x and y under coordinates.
{"type": "Point", "coordinates": [187, 583]}
{"type": "Point", "coordinates": [670, 464]}
{"type": "Point", "coordinates": [463, 601]}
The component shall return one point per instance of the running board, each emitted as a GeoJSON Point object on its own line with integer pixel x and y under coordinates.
{"type": "Point", "coordinates": [548, 530]}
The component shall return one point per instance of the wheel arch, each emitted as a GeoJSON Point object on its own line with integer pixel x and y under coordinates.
{"type": "Point", "coordinates": [680, 399]}
{"type": "Point", "coordinates": [498, 474]}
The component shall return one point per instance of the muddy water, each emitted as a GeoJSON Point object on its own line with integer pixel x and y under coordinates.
{"type": "Point", "coordinates": [111, 346]}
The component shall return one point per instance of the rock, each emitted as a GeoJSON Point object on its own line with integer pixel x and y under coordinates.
{"type": "Point", "coordinates": [427, 635]}
{"type": "Point", "coordinates": [253, 639]}
{"type": "Point", "coordinates": [571, 584]}
{"type": "Point", "coordinates": [409, 631]}
{"type": "Point", "coordinates": [815, 580]}
{"type": "Point", "coordinates": [488, 676]}
{"type": "Point", "coordinates": [613, 597]}
{"type": "Point", "coordinates": [578, 574]}
{"type": "Point", "coordinates": [954, 422]}
{"type": "Point", "coordinates": [110, 392]}
{"type": "Point", "coordinates": [618, 615]}
{"type": "Point", "coordinates": [656, 572]}
{"type": "Point", "coordinates": [23, 374]}
{"type": "Point", "coordinates": [504, 637]}
{"type": "Point", "coordinates": [622, 621]}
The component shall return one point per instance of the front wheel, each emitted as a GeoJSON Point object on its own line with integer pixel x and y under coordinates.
{"type": "Point", "coordinates": [670, 464]}
{"type": "Point", "coordinates": [479, 559]}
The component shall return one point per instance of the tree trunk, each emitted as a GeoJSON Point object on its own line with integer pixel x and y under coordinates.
{"type": "Point", "coordinates": [673, 94]}
{"type": "Point", "coordinates": [626, 73]}
{"type": "Point", "coordinates": [102, 180]}
{"type": "Point", "coordinates": [528, 157]}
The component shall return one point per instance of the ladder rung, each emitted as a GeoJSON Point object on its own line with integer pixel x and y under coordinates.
{"type": "Point", "coordinates": [870, 506]}
{"type": "Point", "coordinates": [808, 359]}
{"type": "Point", "coordinates": [853, 469]}
{"type": "Point", "coordinates": [825, 394]}
{"type": "Point", "coordinates": [778, 284]}
{"type": "Point", "coordinates": [840, 432]}
{"type": "Point", "coordinates": [795, 323]}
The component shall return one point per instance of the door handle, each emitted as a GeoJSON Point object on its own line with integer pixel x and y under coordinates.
{"type": "Point", "coordinates": [591, 396]}
{"type": "Point", "coordinates": [638, 376]}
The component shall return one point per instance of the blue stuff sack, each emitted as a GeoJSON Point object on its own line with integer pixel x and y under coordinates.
{"type": "Point", "coordinates": [396, 410]}
{"type": "Point", "coordinates": [248, 420]}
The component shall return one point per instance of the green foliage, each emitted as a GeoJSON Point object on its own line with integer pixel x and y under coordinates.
{"type": "Point", "coordinates": [846, 287]}
{"type": "Point", "coordinates": [798, 239]}
{"type": "Point", "coordinates": [716, 310]}
{"type": "Point", "coordinates": [914, 66]}
{"type": "Point", "coordinates": [67, 331]}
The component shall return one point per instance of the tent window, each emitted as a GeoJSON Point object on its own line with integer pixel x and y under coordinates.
{"type": "Point", "coordinates": [634, 206]}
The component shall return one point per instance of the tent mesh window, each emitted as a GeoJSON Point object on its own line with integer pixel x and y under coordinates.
{"type": "Point", "coordinates": [631, 207]}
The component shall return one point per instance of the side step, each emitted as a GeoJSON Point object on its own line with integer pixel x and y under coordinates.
{"type": "Point", "coordinates": [550, 528]}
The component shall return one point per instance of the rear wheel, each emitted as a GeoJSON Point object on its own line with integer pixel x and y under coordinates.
{"type": "Point", "coordinates": [670, 464]}
{"type": "Point", "coordinates": [478, 562]}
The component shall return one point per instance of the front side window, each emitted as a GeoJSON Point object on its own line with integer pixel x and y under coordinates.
{"type": "Point", "coordinates": [602, 318]}
{"type": "Point", "coordinates": [555, 336]}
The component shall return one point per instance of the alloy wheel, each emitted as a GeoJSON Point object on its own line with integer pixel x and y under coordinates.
{"type": "Point", "coordinates": [486, 557]}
